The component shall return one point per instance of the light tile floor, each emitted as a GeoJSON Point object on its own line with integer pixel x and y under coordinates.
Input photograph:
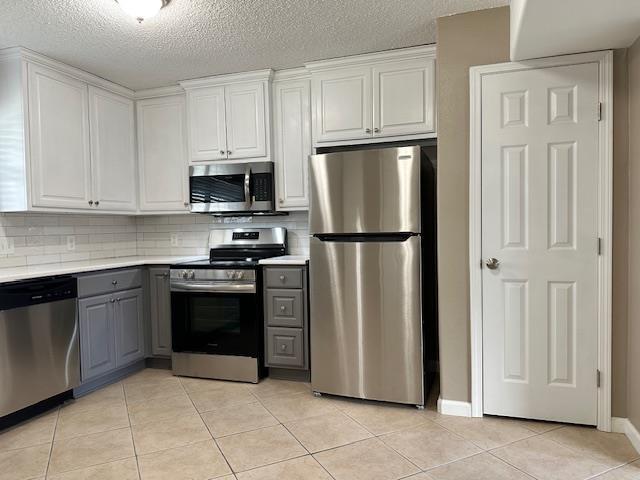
{"type": "Point", "coordinates": [153, 426]}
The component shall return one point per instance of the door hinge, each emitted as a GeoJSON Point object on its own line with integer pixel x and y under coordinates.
{"type": "Point", "coordinates": [599, 246]}
{"type": "Point", "coordinates": [598, 378]}
{"type": "Point", "coordinates": [599, 111]}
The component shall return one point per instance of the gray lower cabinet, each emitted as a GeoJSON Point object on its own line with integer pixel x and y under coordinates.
{"type": "Point", "coordinates": [129, 321]}
{"type": "Point", "coordinates": [97, 336]}
{"type": "Point", "coordinates": [160, 310]}
{"type": "Point", "coordinates": [286, 317]}
{"type": "Point", "coordinates": [111, 324]}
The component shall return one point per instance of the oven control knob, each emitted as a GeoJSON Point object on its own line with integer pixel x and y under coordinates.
{"type": "Point", "coordinates": [192, 275]}
{"type": "Point", "coordinates": [184, 274]}
{"type": "Point", "coordinates": [239, 275]}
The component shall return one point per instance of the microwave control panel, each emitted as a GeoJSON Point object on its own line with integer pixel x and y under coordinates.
{"type": "Point", "coordinates": [262, 187]}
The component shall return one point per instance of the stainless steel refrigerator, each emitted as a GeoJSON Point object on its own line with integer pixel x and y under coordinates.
{"type": "Point", "coordinates": [366, 272]}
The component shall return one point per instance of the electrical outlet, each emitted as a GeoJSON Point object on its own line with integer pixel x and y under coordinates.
{"type": "Point", "coordinates": [7, 246]}
{"type": "Point", "coordinates": [175, 239]}
{"type": "Point", "coordinates": [71, 243]}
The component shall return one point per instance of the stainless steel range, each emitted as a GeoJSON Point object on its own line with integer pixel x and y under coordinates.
{"type": "Point", "coordinates": [217, 309]}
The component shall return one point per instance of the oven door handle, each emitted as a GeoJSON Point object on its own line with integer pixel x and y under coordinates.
{"type": "Point", "coordinates": [218, 287]}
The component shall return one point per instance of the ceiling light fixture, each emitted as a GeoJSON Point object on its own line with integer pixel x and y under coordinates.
{"type": "Point", "coordinates": [142, 9]}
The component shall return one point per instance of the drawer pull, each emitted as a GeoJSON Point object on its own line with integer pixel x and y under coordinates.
{"type": "Point", "coordinates": [115, 282]}
{"type": "Point", "coordinates": [283, 347]}
{"type": "Point", "coordinates": [282, 308]}
{"type": "Point", "coordinates": [282, 278]}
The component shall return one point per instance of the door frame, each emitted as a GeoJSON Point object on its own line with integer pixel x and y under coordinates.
{"type": "Point", "coordinates": [604, 59]}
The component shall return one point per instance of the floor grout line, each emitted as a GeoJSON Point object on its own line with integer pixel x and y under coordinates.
{"type": "Point", "coordinates": [53, 438]}
{"type": "Point", "coordinates": [135, 452]}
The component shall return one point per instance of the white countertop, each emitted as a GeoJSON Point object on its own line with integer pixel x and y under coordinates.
{"type": "Point", "coordinates": [285, 260]}
{"type": "Point", "coordinates": [66, 268]}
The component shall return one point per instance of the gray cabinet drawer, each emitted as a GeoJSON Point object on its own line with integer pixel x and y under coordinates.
{"type": "Point", "coordinates": [285, 347]}
{"type": "Point", "coordinates": [109, 281]}
{"type": "Point", "coordinates": [284, 308]}
{"type": "Point", "coordinates": [284, 277]}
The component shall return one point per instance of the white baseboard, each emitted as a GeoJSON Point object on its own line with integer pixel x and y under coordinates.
{"type": "Point", "coordinates": [623, 425]}
{"type": "Point", "coordinates": [454, 407]}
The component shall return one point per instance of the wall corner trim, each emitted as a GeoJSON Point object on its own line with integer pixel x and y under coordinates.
{"type": "Point", "coordinates": [454, 407]}
{"type": "Point", "coordinates": [623, 425]}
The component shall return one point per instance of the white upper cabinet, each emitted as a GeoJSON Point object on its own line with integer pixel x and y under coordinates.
{"type": "Point", "coordinates": [59, 134]}
{"type": "Point", "coordinates": [292, 138]}
{"type": "Point", "coordinates": [229, 117]}
{"type": "Point", "coordinates": [246, 113]}
{"type": "Point", "coordinates": [113, 155]}
{"type": "Point", "coordinates": [162, 154]}
{"type": "Point", "coordinates": [207, 124]}
{"type": "Point", "coordinates": [343, 104]}
{"type": "Point", "coordinates": [69, 145]}
{"type": "Point", "coordinates": [375, 97]}
{"type": "Point", "coordinates": [404, 98]}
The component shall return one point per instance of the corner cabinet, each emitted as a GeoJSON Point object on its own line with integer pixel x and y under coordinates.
{"type": "Point", "coordinates": [162, 156]}
{"type": "Point", "coordinates": [160, 311]}
{"type": "Point", "coordinates": [292, 137]}
{"type": "Point", "coordinates": [68, 138]}
{"type": "Point", "coordinates": [375, 97]}
{"type": "Point", "coordinates": [229, 117]}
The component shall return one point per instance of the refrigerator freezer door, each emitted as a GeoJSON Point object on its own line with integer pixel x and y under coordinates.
{"type": "Point", "coordinates": [366, 326]}
{"type": "Point", "coordinates": [366, 191]}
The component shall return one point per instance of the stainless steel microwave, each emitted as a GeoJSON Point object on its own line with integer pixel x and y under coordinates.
{"type": "Point", "coordinates": [232, 188]}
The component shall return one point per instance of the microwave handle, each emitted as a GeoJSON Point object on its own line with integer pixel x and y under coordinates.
{"type": "Point", "coordinates": [247, 185]}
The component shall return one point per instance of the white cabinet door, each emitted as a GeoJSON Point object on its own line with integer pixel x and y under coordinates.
{"type": "Point", "coordinates": [246, 130]}
{"type": "Point", "coordinates": [59, 140]}
{"type": "Point", "coordinates": [404, 98]}
{"type": "Point", "coordinates": [112, 151]}
{"type": "Point", "coordinates": [207, 131]}
{"type": "Point", "coordinates": [162, 154]}
{"type": "Point", "coordinates": [342, 102]}
{"type": "Point", "coordinates": [292, 131]}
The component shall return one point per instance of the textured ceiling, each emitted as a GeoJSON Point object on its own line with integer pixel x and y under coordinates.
{"type": "Point", "coordinates": [195, 38]}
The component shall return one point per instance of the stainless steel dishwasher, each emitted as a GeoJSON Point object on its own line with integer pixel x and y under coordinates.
{"type": "Point", "coordinates": [39, 346]}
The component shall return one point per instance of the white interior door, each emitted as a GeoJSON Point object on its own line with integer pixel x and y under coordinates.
{"type": "Point", "coordinates": [113, 156]}
{"type": "Point", "coordinates": [540, 221]}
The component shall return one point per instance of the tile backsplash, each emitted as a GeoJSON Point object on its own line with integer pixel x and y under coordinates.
{"type": "Point", "coordinates": [33, 239]}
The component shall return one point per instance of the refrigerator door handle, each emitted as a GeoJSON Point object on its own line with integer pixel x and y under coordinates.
{"type": "Point", "coordinates": [365, 237]}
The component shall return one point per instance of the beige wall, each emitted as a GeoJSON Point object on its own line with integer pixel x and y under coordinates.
{"type": "Point", "coordinates": [633, 355]}
{"type": "Point", "coordinates": [464, 40]}
{"type": "Point", "coordinates": [620, 232]}
{"type": "Point", "coordinates": [479, 38]}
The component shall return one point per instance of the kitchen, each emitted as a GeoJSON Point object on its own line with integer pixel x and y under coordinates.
{"type": "Point", "coordinates": [212, 274]}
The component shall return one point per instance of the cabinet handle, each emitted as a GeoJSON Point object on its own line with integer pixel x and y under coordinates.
{"type": "Point", "coordinates": [282, 308]}
{"type": "Point", "coordinates": [90, 202]}
{"type": "Point", "coordinates": [117, 299]}
{"type": "Point", "coordinates": [186, 204]}
{"type": "Point", "coordinates": [97, 202]}
{"type": "Point", "coordinates": [376, 130]}
{"type": "Point", "coordinates": [283, 348]}
{"type": "Point", "coordinates": [165, 275]}
{"type": "Point", "coordinates": [228, 152]}
{"type": "Point", "coordinates": [112, 300]}
{"type": "Point", "coordinates": [282, 277]}
{"type": "Point", "coordinates": [222, 152]}
{"type": "Point", "coordinates": [367, 130]}
{"type": "Point", "coordinates": [115, 282]}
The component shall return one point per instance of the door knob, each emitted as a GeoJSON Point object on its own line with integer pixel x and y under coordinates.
{"type": "Point", "coordinates": [492, 263]}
